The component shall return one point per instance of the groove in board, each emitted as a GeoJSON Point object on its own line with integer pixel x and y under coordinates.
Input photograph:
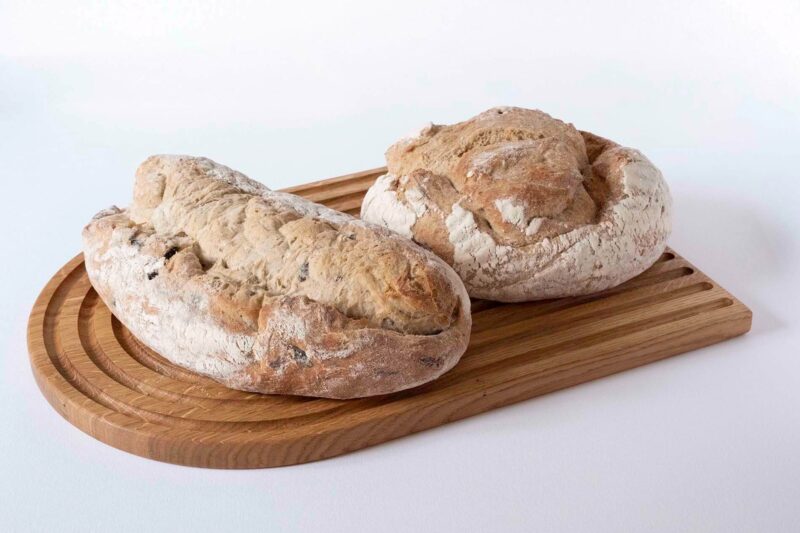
{"type": "Point", "coordinates": [103, 380]}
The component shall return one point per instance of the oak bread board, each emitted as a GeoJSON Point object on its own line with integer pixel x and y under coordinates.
{"type": "Point", "coordinates": [104, 381]}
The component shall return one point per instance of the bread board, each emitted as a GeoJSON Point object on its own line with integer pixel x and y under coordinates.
{"type": "Point", "coordinates": [101, 379]}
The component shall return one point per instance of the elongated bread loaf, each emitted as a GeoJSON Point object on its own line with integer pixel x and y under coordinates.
{"type": "Point", "coordinates": [265, 291]}
{"type": "Point", "coordinates": [524, 206]}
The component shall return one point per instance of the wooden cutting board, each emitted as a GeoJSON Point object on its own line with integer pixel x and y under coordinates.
{"type": "Point", "coordinates": [104, 381]}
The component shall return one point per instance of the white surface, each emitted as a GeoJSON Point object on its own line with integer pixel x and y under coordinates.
{"type": "Point", "coordinates": [709, 91]}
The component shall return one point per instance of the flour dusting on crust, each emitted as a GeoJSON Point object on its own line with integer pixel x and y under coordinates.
{"type": "Point", "coordinates": [268, 292]}
{"type": "Point", "coordinates": [476, 252]}
{"type": "Point", "coordinates": [385, 209]}
{"type": "Point", "coordinates": [511, 211]}
{"type": "Point", "coordinates": [531, 207]}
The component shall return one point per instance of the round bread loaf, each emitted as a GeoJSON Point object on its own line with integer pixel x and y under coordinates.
{"type": "Point", "coordinates": [265, 291]}
{"type": "Point", "coordinates": [524, 206]}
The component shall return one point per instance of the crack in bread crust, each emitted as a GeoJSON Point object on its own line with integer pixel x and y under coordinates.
{"type": "Point", "coordinates": [268, 292]}
{"type": "Point", "coordinates": [537, 209]}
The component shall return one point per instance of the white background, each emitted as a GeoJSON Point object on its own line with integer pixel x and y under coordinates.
{"type": "Point", "coordinates": [289, 92]}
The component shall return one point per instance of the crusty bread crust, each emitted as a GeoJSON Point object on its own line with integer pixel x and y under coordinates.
{"type": "Point", "coordinates": [524, 206]}
{"type": "Point", "coordinates": [268, 292]}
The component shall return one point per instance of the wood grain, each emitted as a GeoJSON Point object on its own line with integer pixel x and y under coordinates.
{"type": "Point", "coordinates": [104, 381]}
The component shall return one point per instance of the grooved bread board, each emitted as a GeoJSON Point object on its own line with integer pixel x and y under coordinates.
{"type": "Point", "coordinates": [104, 381]}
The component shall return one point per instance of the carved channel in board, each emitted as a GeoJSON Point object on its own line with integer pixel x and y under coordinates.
{"type": "Point", "coordinates": [659, 273]}
{"type": "Point", "coordinates": [505, 317]}
{"type": "Point", "coordinates": [516, 357]}
{"type": "Point", "coordinates": [545, 363]}
{"type": "Point", "coordinates": [457, 367]}
{"type": "Point", "coordinates": [548, 322]}
{"type": "Point", "coordinates": [504, 314]}
{"type": "Point", "coordinates": [50, 323]}
{"type": "Point", "coordinates": [510, 384]}
{"type": "Point", "coordinates": [541, 331]}
{"type": "Point", "coordinates": [59, 351]}
{"type": "Point", "coordinates": [63, 355]}
{"type": "Point", "coordinates": [540, 350]}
